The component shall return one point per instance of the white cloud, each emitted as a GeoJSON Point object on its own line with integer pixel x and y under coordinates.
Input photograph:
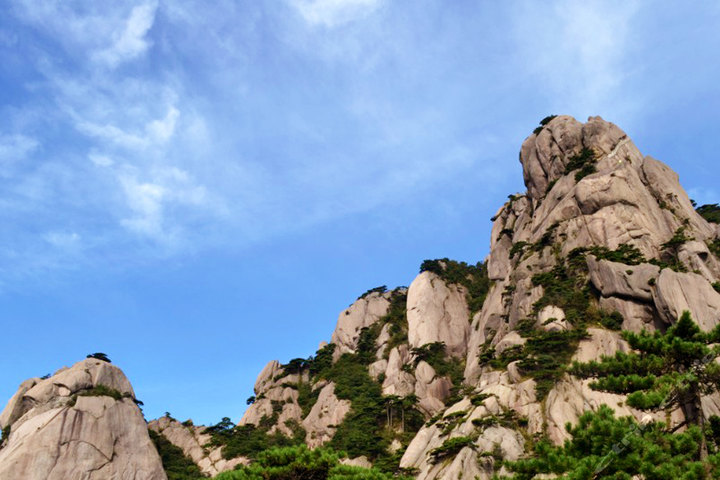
{"type": "Point", "coordinates": [130, 42]}
{"type": "Point", "coordinates": [333, 13]}
{"type": "Point", "coordinates": [145, 200]}
{"type": "Point", "coordinates": [167, 189]}
{"type": "Point", "coordinates": [162, 130]}
{"type": "Point", "coordinates": [156, 132]}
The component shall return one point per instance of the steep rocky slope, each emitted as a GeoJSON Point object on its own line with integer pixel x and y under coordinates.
{"type": "Point", "coordinates": [466, 366]}
{"type": "Point", "coordinates": [80, 424]}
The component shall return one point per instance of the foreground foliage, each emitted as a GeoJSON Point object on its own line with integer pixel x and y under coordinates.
{"type": "Point", "coordinates": [301, 463]}
{"type": "Point", "coordinates": [603, 446]}
{"type": "Point", "coordinates": [667, 370]}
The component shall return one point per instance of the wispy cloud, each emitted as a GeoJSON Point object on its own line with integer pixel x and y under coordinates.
{"type": "Point", "coordinates": [156, 132]}
{"type": "Point", "coordinates": [130, 42]}
{"type": "Point", "coordinates": [334, 13]}
{"type": "Point", "coordinates": [148, 201]}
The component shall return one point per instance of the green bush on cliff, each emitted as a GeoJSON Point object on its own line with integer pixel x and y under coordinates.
{"type": "Point", "coordinates": [583, 162]}
{"type": "Point", "coordinates": [301, 463]}
{"type": "Point", "coordinates": [710, 212]}
{"type": "Point", "coordinates": [473, 277]}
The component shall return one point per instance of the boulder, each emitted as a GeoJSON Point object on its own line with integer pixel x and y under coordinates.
{"type": "Point", "coordinates": [362, 313]}
{"type": "Point", "coordinates": [614, 279]}
{"type": "Point", "coordinates": [676, 292]}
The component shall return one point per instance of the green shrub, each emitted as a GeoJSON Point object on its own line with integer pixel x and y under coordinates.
{"type": "Point", "coordinates": [397, 319]}
{"type": "Point", "coordinates": [625, 253]}
{"type": "Point", "coordinates": [518, 247]}
{"type": "Point", "coordinates": [380, 289]}
{"type": "Point", "coordinates": [103, 391]}
{"type": "Point", "coordinates": [584, 162]}
{"type": "Point", "coordinates": [307, 397]}
{"type": "Point", "coordinates": [543, 122]}
{"type": "Point", "coordinates": [679, 238]}
{"type": "Point", "coordinates": [301, 463]}
{"type": "Point", "coordinates": [473, 277]}
{"type": "Point", "coordinates": [176, 465]}
{"type": "Point", "coordinates": [716, 286]}
{"type": "Point", "coordinates": [710, 212]}
{"type": "Point", "coordinates": [99, 356]}
{"type": "Point", "coordinates": [611, 321]}
{"type": "Point", "coordinates": [322, 360]}
{"type": "Point", "coordinates": [451, 447]}
{"type": "Point", "coordinates": [714, 247]}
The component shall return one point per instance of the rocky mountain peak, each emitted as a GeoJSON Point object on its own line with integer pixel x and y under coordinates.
{"type": "Point", "coordinates": [80, 423]}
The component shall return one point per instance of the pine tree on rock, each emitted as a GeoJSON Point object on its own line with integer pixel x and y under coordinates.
{"type": "Point", "coordinates": [667, 370]}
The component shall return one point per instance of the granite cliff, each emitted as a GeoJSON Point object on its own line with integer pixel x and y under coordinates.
{"type": "Point", "coordinates": [466, 366]}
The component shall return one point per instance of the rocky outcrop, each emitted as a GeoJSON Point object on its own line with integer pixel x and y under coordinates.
{"type": "Point", "coordinates": [274, 387]}
{"type": "Point", "coordinates": [80, 424]}
{"type": "Point", "coordinates": [588, 186]}
{"type": "Point", "coordinates": [676, 292]}
{"type": "Point", "coordinates": [437, 312]}
{"type": "Point", "coordinates": [364, 312]}
{"type": "Point", "coordinates": [327, 413]}
{"type": "Point", "coordinates": [192, 440]}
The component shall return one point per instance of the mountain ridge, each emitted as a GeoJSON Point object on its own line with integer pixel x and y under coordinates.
{"type": "Point", "coordinates": [467, 366]}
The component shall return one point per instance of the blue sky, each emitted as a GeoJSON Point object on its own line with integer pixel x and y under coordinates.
{"type": "Point", "coordinates": [197, 188]}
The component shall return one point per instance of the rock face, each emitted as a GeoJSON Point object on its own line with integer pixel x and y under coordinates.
{"type": "Point", "coordinates": [327, 413]}
{"type": "Point", "coordinates": [437, 312]}
{"type": "Point", "coordinates": [59, 433]}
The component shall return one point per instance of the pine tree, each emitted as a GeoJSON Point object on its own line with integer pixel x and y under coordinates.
{"type": "Point", "coordinates": [666, 370]}
{"type": "Point", "coordinates": [605, 447]}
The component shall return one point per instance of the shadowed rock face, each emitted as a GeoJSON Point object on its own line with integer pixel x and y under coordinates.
{"type": "Point", "coordinates": [57, 433]}
{"type": "Point", "coordinates": [191, 440]}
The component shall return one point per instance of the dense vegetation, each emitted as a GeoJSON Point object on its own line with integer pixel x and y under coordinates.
{"type": "Point", "coordinates": [250, 440]}
{"type": "Point", "coordinates": [301, 463]}
{"type": "Point", "coordinates": [175, 463]}
{"type": "Point", "coordinates": [710, 212]}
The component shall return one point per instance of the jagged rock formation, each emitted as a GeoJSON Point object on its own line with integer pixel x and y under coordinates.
{"type": "Point", "coordinates": [192, 441]}
{"type": "Point", "coordinates": [604, 238]}
{"type": "Point", "coordinates": [80, 424]}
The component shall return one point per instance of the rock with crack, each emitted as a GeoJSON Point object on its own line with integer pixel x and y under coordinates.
{"type": "Point", "coordinates": [437, 312]}
{"type": "Point", "coordinates": [80, 424]}
{"type": "Point", "coordinates": [362, 313]}
{"type": "Point", "coordinates": [327, 413]}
